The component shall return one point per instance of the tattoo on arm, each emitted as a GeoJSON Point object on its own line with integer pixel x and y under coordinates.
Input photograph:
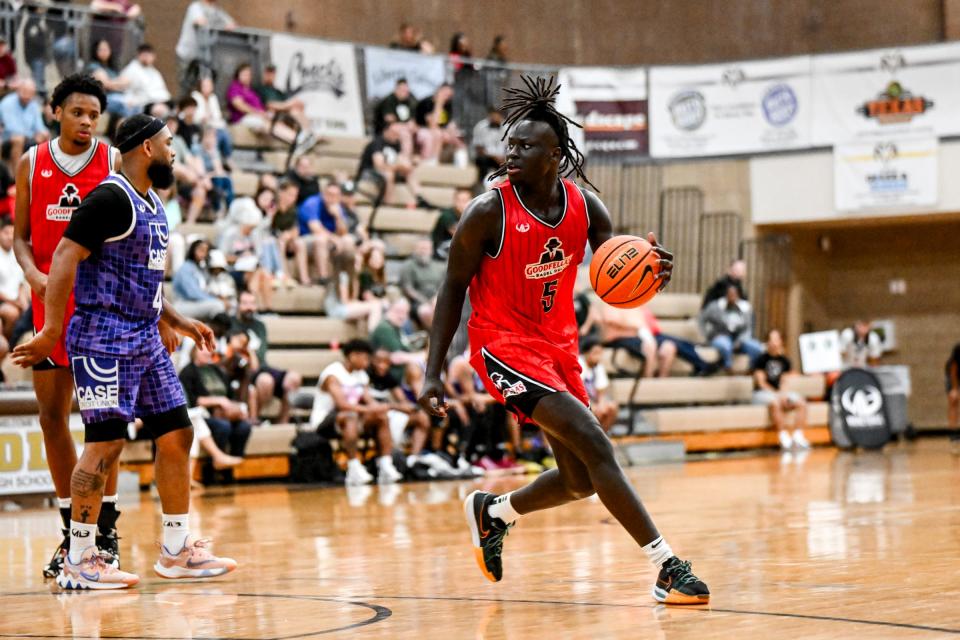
{"type": "Point", "coordinates": [85, 484]}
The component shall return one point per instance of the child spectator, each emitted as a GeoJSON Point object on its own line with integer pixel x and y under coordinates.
{"type": "Point", "coordinates": [769, 371]}
{"type": "Point", "coordinates": [596, 382]}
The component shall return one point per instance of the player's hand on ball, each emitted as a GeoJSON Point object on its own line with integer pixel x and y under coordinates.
{"type": "Point", "coordinates": [169, 337]}
{"type": "Point", "coordinates": [39, 348]}
{"type": "Point", "coordinates": [666, 261]}
{"type": "Point", "coordinates": [431, 398]}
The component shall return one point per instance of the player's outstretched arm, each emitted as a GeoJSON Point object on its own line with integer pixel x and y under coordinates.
{"type": "Point", "coordinates": [63, 272]}
{"type": "Point", "coordinates": [201, 334]}
{"type": "Point", "coordinates": [480, 230]}
{"type": "Point", "coordinates": [601, 230]}
{"type": "Point", "coordinates": [22, 248]}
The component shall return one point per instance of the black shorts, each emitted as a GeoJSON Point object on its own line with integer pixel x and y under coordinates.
{"type": "Point", "coordinates": [278, 376]}
{"type": "Point", "coordinates": [48, 364]}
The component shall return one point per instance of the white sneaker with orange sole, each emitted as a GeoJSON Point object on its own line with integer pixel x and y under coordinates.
{"type": "Point", "coordinates": [194, 560]}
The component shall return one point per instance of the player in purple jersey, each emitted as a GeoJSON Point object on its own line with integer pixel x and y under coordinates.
{"type": "Point", "coordinates": [112, 256]}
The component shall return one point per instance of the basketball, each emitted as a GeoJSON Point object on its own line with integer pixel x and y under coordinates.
{"type": "Point", "coordinates": [624, 271]}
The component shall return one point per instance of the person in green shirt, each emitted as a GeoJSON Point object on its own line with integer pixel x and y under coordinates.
{"type": "Point", "coordinates": [279, 101]}
{"type": "Point", "coordinates": [389, 335]}
{"type": "Point", "coordinates": [447, 223]}
{"type": "Point", "coordinates": [267, 381]}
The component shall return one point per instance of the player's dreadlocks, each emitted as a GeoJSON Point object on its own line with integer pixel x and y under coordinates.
{"type": "Point", "coordinates": [537, 102]}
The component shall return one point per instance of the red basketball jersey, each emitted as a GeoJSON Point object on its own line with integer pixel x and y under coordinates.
{"type": "Point", "coordinates": [526, 289]}
{"type": "Point", "coordinates": [54, 194]}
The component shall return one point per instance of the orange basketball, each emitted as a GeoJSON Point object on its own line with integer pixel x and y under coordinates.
{"type": "Point", "coordinates": [623, 271]}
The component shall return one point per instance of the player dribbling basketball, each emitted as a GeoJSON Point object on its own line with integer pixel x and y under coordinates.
{"type": "Point", "coordinates": [517, 249]}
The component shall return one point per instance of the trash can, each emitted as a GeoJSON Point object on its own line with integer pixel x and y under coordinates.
{"type": "Point", "coordinates": [895, 384]}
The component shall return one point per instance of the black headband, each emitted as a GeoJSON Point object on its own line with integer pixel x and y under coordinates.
{"type": "Point", "coordinates": [136, 138]}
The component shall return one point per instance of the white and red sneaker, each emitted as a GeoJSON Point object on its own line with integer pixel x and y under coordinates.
{"type": "Point", "coordinates": [194, 560]}
{"type": "Point", "coordinates": [94, 572]}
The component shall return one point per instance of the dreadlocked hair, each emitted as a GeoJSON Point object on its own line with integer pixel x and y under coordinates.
{"type": "Point", "coordinates": [537, 101]}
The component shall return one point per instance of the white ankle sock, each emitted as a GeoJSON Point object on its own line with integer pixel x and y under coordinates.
{"type": "Point", "coordinates": [82, 537]}
{"type": "Point", "coordinates": [64, 503]}
{"type": "Point", "coordinates": [658, 552]}
{"type": "Point", "coordinates": [176, 528]}
{"type": "Point", "coordinates": [113, 499]}
{"type": "Point", "coordinates": [384, 461]}
{"type": "Point", "coordinates": [354, 462]}
{"type": "Point", "coordinates": [502, 509]}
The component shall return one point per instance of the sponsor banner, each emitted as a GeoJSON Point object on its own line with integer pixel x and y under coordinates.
{"type": "Point", "coordinates": [611, 104]}
{"type": "Point", "coordinates": [385, 66]}
{"type": "Point", "coordinates": [858, 411]}
{"type": "Point", "coordinates": [323, 75]}
{"type": "Point", "coordinates": [23, 460]}
{"type": "Point", "coordinates": [719, 109]}
{"type": "Point", "coordinates": [885, 173]}
{"type": "Point", "coordinates": [886, 92]}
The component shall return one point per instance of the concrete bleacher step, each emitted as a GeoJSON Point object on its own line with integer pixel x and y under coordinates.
{"type": "Point", "coordinates": [446, 175]}
{"type": "Point", "coordinates": [437, 196]}
{"type": "Point", "coordinates": [308, 362]}
{"type": "Point", "coordinates": [726, 418]}
{"type": "Point", "coordinates": [399, 219]}
{"type": "Point", "coordinates": [685, 329]}
{"type": "Point", "coordinates": [207, 231]}
{"type": "Point", "coordinates": [674, 305]}
{"type": "Point", "coordinates": [299, 299]}
{"type": "Point", "coordinates": [245, 183]}
{"type": "Point", "coordinates": [244, 138]}
{"type": "Point", "coordinates": [619, 362]}
{"type": "Point", "coordinates": [348, 146]}
{"type": "Point", "coordinates": [664, 391]}
{"type": "Point", "coordinates": [308, 330]}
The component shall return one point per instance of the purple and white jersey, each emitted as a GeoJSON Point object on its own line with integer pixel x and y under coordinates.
{"type": "Point", "coordinates": [119, 289]}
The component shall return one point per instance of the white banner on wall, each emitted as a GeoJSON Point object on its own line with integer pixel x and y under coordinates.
{"type": "Point", "coordinates": [23, 461]}
{"type": "Point", "coordinates": [324, 75]}
{"type": "Point", "coordinates": [886, 173]}
{"type": "Point", "coordinates": [611, 104]}
{"type": "Point", "coordinates": [385, 66]}
{"type": "Point", "coordinates": [886, 92]}
{"type": "Point", "coordinates": [742, 107]}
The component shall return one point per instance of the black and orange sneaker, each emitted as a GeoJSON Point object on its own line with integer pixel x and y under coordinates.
{"type": "Point", "coordinates": [676, 584]}
{"type": "Point", "coordinates": [487, 533]}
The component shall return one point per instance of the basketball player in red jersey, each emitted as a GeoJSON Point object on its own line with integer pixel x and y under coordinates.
{"type": "Point", "coordinates": [52, 180]}
{"type": "Point", "coordinates": [517, 248]}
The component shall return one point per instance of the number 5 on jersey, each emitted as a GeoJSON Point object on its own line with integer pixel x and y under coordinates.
{"type": "Point", "coordinates": [549, 293]}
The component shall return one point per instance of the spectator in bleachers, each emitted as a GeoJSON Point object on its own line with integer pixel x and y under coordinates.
{"type": "Point", "coordinates": [206, 385]}
{"type": "Point", "coordinates": [459, 50]}
{"type": "Point", "coordinates": [206, 150]}
{"type": "Point", "coordinates": [203, 439]}
{"type": "Point", "coordinates": [240, 365]}
{"type": "Point", "coordinates": [860, 346]}
{"type": "Point", "coordinates": [268, 381]}
{"type": "Point", "coordinates": [384, 163]}
{"type": "Point", "coordinates": [769, 371]}
{"type": "Point", "coordinates": [101, 67]}
{"type": "Point", "coordinates": [498, 50]}
{"type": "Point", "coordinates": [489, 147]}
{"type": "Point", "coordinates": [146, 87]}
{"type": "Point", "coordinates": [596, 382]}
{"type": "Point", "coordinates": [209, 114]}
{"type": "Point", "coordinates": [284, 217]}
{"type": "Point", "coordinates": [952, 372]}
{"type": "Point", "coordinates": [306, 179]}
{"type": "Point", "coordinates": [410, 39]}
{"type": "Point", "coordinates": [191, 297]}
{"type": "Point", "coordinates": [373, 274]}
{"type": "Point", "coordinates": [8, 68]}
{"type": "Point", "coordinates": [279, 101]}
{"type": "Point", "coordinates": [727, 324]}
{"type": "Point", "coordinates": [404, 414]}
{"type": "Point", "coordinates": [14, 290]}
{"type": "Point", "coordinates": [244, 107]}
{"type": "Point", "coordinates": [20, 114]}
{"type": "Point", "coordinates": [188, 128]}
{"type": "Point", "coordinates": [243, 242]}
{"type": "Point", "coordinates": [630, 330]}
{"type": "Point", "coordinates": [400, 106]}
{"type": "Point", "coordinates": [200, 13]}
{"type": "Point", "coordinates": [735, 275]}
{"type": "Point", "coordinates": [344, 406]}
{"type": "Point", "coordinates": [193, 184]}
{"type": "Point", "coordinates": [219, 281]}
{"type": "Point", "coordinates": [447, 223]}
{"type": "Point", "coordinates": [394, 333]}
{"type": "Point", "coordinates": [110, 20]}
{"type": "Point", "coordinates": [420, 279]}
{"type": "Point", "coordinates": [36, 45]}
{"type": "Point", "coordinates": [438, 133]}
{"type": "Point", "coordinates": [324, 226]}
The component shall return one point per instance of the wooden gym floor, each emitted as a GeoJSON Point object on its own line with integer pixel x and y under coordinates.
{"type": "Point", "coordinates": [831, 545]}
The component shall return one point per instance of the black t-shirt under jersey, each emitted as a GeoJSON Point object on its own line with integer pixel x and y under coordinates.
{"type": "Point", "coordinates": [105, 213]}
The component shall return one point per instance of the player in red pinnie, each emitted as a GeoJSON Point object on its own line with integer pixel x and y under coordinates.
{"type": "Point", "coordinates": [517, 249]}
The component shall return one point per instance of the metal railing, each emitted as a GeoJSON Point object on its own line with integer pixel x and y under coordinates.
{"type": "Point", "coordinates": [41, 33]}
